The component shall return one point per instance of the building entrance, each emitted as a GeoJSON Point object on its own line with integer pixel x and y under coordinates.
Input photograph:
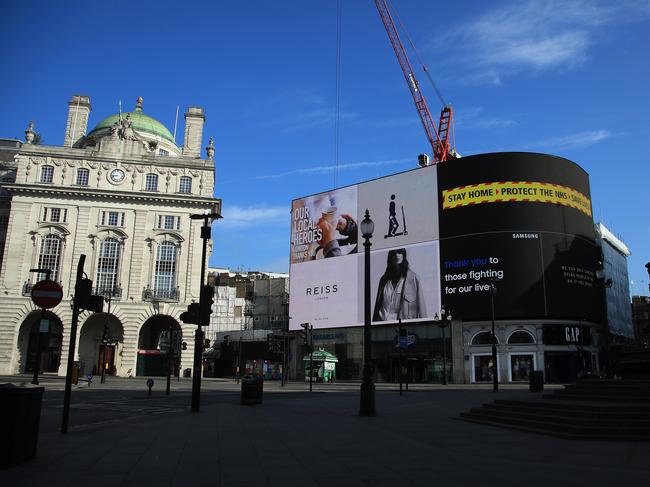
{"type": "Point", "coordinates": [31, 341]}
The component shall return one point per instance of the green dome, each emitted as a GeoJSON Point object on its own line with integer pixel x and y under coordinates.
{"type": "Point", "coordinates": [140, 123]}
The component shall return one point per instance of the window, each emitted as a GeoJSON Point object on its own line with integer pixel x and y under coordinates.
{"type": "Point", "coordinates": [483, 338]}
{"type": "Point", "coordinates": [47, 174]}
{"type": "Point", "coordinates": [169, 222]}
{"type": "Point", "coordinates": [112, 218]}
{"type": "Point", "coordinates": [186, 184]}
{"type": "Point", "coordinates": [151, 182]}
{"type": "Point", "coordinates": [83, 176]}
{"type": "Point", "coordinates": [50, 256]}
{"type": "Point", "coordinates": [483, 369]}
{"type": "Point", "coordinates": [521, 365]}
{"type": "Point", "coordinates": [108, 265]}
{"type": "Point", "coordinates": [163, 152]}
{"type": "Point", "coordinates": [55, 215]}
{"type": "Point", "coordinates": [238, 313]}
{"type": "Point", "coordinates": [520, 336]}
{"type": "Point", "coordinates": [165, 272]}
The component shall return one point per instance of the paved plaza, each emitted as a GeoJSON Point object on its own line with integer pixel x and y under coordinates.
{"type": "Point", "coordinates": [121, 437]}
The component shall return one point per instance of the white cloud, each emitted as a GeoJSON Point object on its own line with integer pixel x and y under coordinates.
{"type": "Point", "coordinates": [475, 118]}
{"type": "Point", "coordinates": [309, 119]}
{"type": "Point", "coordinates": [535, 35]}
{"type": "Point", "coordinates": [341, 167]}
{"type": "Point", "coordinates": [238, 216]}
{"type": "Point", "coordinates": [576, 140]}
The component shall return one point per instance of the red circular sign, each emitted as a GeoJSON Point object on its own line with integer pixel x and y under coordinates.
{"type": "Point", "coordinates": [47, 294]}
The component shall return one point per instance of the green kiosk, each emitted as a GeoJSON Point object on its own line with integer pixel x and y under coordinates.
{"type": "Point", "coordinates": [323, 367]}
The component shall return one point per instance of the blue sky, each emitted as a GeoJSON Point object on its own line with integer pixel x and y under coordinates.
{"type": "Point", "coordinates": [570, 78]}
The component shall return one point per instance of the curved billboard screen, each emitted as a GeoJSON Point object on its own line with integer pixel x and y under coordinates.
{"type": "Point", "coordinates": [444, 235]}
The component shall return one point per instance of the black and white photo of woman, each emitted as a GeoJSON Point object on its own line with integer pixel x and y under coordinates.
{"type": "Point", "coordinates": [399, 293]}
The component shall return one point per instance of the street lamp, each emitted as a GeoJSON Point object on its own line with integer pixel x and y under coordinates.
{"type": "Point", "coordinates": [495, 368]}
{"type": "Point", "coordinates": [367, 407]}
{"type": "Point", "coordinates": [443, 322]}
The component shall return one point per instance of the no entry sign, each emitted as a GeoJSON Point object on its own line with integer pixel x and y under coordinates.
{"type": "Point", "coordinates": [47, 294]}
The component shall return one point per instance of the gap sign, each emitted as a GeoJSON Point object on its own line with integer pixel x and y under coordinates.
{"type": "Point", "coordinates": [47, 294]}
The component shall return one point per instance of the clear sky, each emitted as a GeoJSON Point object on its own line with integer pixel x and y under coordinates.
{"type": "Point", "coordinates": [570, 78]}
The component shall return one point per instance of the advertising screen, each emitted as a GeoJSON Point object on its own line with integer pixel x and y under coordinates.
{"type": "Point", "coordinates": [444, 235]}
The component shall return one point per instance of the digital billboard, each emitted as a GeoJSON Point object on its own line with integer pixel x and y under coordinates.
{"type": "Point", "coordinates": [444, 235]}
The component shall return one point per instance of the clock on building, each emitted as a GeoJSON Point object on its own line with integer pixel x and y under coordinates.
{"type": "Point", "coordinates": [117, 175]}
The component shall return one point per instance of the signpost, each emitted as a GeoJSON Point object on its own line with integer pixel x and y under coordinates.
{"type": "Point", "coordinates": [45, 294]}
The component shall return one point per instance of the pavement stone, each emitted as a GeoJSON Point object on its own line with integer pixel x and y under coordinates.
{"type": "Point", "coordinates": [298, 439]}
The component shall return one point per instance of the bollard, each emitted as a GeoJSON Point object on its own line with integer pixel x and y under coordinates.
{"type": "Point", "coordinates": [150, 385]}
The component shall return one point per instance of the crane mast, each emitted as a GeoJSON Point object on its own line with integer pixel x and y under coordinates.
{"type": "Point", "coordinates": [438, 138]}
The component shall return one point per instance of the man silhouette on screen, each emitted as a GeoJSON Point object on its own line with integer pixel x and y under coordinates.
{"type": "Point", "coordinates": [392, 219]}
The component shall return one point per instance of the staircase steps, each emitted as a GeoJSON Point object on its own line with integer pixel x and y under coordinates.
{"type": "Point", "coordinates": [590, 409]}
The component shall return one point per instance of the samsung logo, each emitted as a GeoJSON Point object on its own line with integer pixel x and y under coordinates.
{"type": "Point", "coordinates": [318, 290]}
{"type": "Point", "coordinates": [525, 235]}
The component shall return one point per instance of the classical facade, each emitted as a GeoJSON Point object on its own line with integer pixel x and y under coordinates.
{"type": "Point", "coordinates": [121, 194]}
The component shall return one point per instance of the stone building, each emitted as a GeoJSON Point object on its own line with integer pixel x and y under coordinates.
{"type": "Point", "coordinates": [121, 194]}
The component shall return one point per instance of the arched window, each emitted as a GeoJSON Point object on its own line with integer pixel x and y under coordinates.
{"type": "Point", "coordinates": [164, 281]}
{"type": "Point", "coordinates": [483, 338]}
{"type": "Point", "coordinates": [50, 256]}
{"type": "Point", "coordinates": [520, 336]}
{"type": "Point", "coordinates": [108, 266]}
{"type": "Point", "coordinates": [151, 182]}
{"type": "Point", "coordinates": [186, 184]}
{"type": "Point", "coordinates": [47, 174]}
{"type": "Point", "coordinates": [83, 175]}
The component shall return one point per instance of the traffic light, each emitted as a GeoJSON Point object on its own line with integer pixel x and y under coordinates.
{"type": "Point", "coordinates": [85, 299]}
{"type": "Point", "coordinates": [206, 302]}
{"type": "Point", "coordinates": [226, 340]}
{"type": "Point", "coordinates": [191, 316]}
{"type": "Point", "coordinates": [206, 343]}
{"type": "Point", "coordinates": [269, 341]}
{"type": "Point", "coordinates": [305, 334]}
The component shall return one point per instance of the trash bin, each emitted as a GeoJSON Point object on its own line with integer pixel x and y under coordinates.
{"type": "Point", "coordinates": [536, 381]}
{"type": "Point", "coordinates": [20, 415]}
{"type": "Point", "coordinates": [187, 373]}
{"type": "Point", "coordinates": [75, 373]}
{"type": "Point", "coordinates": [252, 387]}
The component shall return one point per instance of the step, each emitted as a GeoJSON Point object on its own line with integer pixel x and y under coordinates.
{"type": "Point", "coordinates": [579, 407]}
{"type": "Point", "coordinates": [553, 426]}
{"type": "Point", "coordinates": [582, 415]}
{"type": "Point", "coordinates": [612, 421]}
{"type": "Point", "coordinates": [558, 434]}
{"type": "Point", "coordinates": [598, 398]}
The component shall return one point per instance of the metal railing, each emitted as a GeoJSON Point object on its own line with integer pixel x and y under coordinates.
{"type": "Point", "coordinates": [28, 285]}
{"type": "Point", "coordinates": [153, 294]}
{"type": "Point", "coordinates": [114, 293]}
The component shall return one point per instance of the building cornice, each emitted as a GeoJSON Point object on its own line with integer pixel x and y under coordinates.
{"type": "Point", "coordinates": [53, 191]}
{"type": "Point", "coordinates": [98, 157]}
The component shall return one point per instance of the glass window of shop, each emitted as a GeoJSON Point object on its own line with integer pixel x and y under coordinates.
{"type": "Point", "coordinates": [482, 368]}
{"type": "Point", "coordinates": [521, 364]}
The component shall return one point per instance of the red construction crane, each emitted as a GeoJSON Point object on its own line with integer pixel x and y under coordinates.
{"type": "Point", "coordinates": [439, 139]}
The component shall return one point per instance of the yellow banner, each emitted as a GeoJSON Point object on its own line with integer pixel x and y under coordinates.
{"type": "Point", "coordinates": [507, 191]}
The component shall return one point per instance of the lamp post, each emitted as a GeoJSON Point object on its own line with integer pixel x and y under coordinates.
{"type": "Point", "coordinates": [367, 406]}
{"type": "Point", "coordinates": [495, 368]}
{"type": "Point", "coordinates": [443, 322]}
